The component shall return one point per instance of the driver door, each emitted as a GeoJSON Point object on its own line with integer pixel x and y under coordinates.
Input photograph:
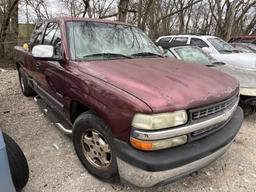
{"type": "Point", "coordinates": [52, 72]}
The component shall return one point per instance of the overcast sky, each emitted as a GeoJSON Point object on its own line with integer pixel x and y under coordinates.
{"type": "Point", "coordinates": [55, 8]}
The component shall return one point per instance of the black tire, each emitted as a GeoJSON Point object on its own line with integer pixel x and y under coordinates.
{"type": "Point", "coordinates": [83, 123]}
{"type": "Point", "coordinates": [18, 163]}
{"type": "Point", "coordinates": [248, 109]}
{"type": "Point", "coordinates": [25, 87]}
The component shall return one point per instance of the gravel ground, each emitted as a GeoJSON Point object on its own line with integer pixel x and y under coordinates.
{"type": "Point", "coordinates": [55, 167]}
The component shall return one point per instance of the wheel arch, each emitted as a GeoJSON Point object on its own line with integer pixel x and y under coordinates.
{"type": "Point", "coordinates": [76, 108]}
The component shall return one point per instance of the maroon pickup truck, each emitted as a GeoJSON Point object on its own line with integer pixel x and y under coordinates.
{"type": "Point", "coordinates": [134, 115]}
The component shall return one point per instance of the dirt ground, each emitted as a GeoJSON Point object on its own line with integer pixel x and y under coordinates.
{"type": "Point", "coordinates": [55, 167]}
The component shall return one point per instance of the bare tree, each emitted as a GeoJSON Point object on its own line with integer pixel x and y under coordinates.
{"type": "Point", "coordinates": [40, 8]}
{"type": "Point", "coordinates": [123, 10]}
{"type": "Point", "coordinates": [162, 13]}
{"type": "Point", "coordinates": [89, 8]}
{"type": "Point", "coordinates": [103, 9]}
{"type": "Point", "coordinates": [228, 14]}
{"type": "Point", "coordinates": [7, 10]}
{"type": "Point", "coordinates": [78, 8]}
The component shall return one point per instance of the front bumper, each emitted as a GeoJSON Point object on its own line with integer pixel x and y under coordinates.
{"type": "Point", "coordinates": [147, 169]}
{"type": "Point", "coordinates": [143, 178]}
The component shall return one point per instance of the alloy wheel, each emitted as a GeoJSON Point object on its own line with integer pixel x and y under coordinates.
{"type": "Point", "coordinates": [96, 149]}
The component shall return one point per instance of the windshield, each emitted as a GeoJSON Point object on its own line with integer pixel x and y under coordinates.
{"type": "Point", "coordinates": [221, 46]}
{"type": "Point", "coordinates": [95, 40]}
{"type": "Point", "coordinates": [195, 55]}
{"type": "Point", "coordinates": [243, 48]}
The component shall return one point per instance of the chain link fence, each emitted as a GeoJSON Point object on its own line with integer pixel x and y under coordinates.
{"type": "Point", "coordinates": [7, 47]}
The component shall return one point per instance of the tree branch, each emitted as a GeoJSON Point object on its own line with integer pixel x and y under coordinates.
{"type": "Point", "coordinates": [107, 16]}
{"type": "Point", "coordinates": [175, 12]}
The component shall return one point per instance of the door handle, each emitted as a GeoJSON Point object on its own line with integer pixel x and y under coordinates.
{"type": "Point", "coordinates": [38, 65]}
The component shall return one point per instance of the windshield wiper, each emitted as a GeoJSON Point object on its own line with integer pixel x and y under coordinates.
{"type": "Point", "coordinates": [146, 54]}
{"type": "Point", "coordinates": [225, 50]}
{"type": "Point", "coordinates": [210, 65]}
{"type": "Point", "coordinates": [108, 55]}
{"type": "Point", "coordinates": [230, 51]}
{"type": "Point", "coordinates": [218, 63]}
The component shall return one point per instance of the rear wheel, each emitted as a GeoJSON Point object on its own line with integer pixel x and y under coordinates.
{"type": "Point", "coordinates": [18, 163]}
{"type": "Point", "coordinates": [94, 147]}
{"type": "Point", "coordinates": [25, 87]}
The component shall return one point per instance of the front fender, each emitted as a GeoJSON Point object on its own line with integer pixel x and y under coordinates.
{"type": "Point", "coordinates": [113, 105]}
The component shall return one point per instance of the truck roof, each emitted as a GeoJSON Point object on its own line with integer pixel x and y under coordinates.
{"type": "Point", "coordinates": [69, 18]}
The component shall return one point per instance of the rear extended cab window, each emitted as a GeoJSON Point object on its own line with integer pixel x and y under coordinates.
{"type": "Point", "coordinates": [37, 34]}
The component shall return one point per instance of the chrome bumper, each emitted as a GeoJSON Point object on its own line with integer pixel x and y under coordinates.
{"type": "Point", "coordinates": [141, 178]}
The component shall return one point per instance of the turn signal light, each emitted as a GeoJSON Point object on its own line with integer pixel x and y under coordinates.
{"type": "Point", "coordinates": [158, 144]}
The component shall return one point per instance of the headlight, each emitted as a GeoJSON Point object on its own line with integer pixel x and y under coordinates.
{"type": "Point", "coordinates": [159, 121]}
{"type": "Point", "coordinates": [248, 91]}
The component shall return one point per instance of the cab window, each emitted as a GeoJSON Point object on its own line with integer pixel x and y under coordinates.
{"type": "Point", "coordinates": [179, 41]}
{"type": "Point", "coordinates": [164, 40]}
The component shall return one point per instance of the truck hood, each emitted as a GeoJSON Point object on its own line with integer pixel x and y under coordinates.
{"type": "Point", "coordinates": [239, 60]}
{"type": "Point", "coordinates": [164, 84]}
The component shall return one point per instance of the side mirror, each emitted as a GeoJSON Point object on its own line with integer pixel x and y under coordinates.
{"type": "Point", "coordinates": [44, 52]}
{"type": "Point", "coordinates": [207, 50]}
{"type": "Point", "coordinates": [161, 49]}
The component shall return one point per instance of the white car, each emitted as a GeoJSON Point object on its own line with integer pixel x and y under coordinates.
{"type": "Point", "coordinates": [216, 47]}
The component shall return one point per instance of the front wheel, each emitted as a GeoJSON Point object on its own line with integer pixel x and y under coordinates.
{"type": "Point", "coordinates": [94, 147]}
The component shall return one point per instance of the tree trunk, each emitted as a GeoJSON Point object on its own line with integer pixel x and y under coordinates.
{"type": "Point", "coordinates": [182, 23]}
{"type": "Point", "coordinates": [146, 14]}
{"type": "Point", "coordinates": [230, 20]}
{"type": "Point", "coordinates": [139, 13]}
{"type": "Point", "coordinates": [6, 21]}
{"type": "Point", "coordinates": [14, 32]}
{"type": "Point", "coordinates": [122, 10]}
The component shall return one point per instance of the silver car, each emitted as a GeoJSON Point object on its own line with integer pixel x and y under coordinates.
{"type": "Point", "coordinates": [197, 55]}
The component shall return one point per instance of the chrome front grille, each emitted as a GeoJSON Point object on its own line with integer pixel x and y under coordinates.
{"type": "Point", "coordinates": [214, 109]}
